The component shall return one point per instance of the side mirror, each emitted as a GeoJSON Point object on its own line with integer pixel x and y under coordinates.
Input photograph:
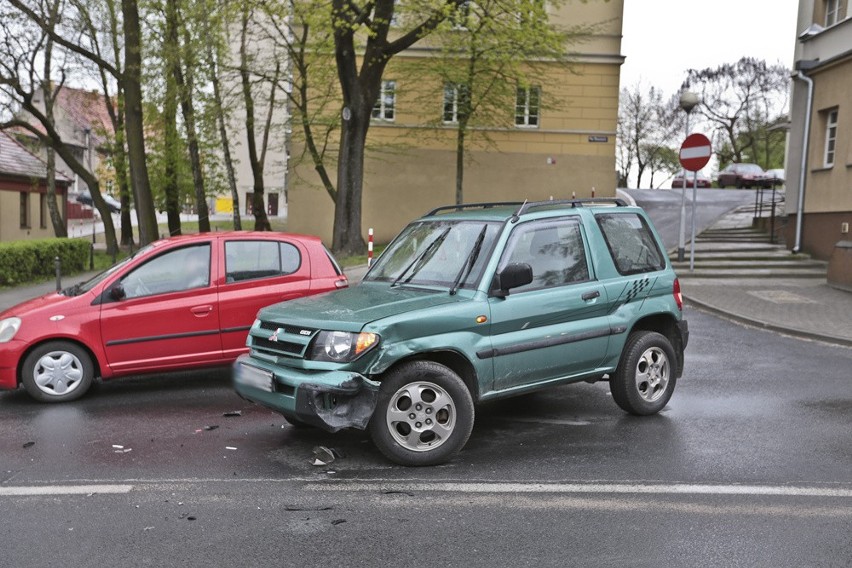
{"type": "Point", "coordinates": [117, 293]}
{"type": "Point", "coordinates": [513, 276]}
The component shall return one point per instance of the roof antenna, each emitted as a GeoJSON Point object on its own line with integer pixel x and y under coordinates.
{"type": "Point", "coordinates": [517, 213]}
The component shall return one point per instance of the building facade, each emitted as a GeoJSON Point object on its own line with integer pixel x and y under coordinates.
{"type": "Point", "coordinates": [562, 143]}
{"type": "Point", "coordinates": [819, 154]}
{"type": "Point", "coordinates": [24, 211]}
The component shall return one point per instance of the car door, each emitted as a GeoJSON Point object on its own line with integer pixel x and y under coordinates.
{"type": "Point", "coordinates": [258, 273]}
{"type": "Point", "coordinates": [556, 326]}
{"type": "Point", "coordinates": [166, 315]}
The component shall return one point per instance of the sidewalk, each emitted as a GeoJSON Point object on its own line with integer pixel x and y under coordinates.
{"type": "Point", "coordinates": [737, 274]}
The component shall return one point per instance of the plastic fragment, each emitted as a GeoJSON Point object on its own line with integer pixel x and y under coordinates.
{"type": "Point", "coordinates": [230, 448]}
{"type": "Point", "coordinates": [322, 456]}
{"type": "Point", "coordinates": [233, 413]}
{"type": "Point", "coordinates": [29, 444]}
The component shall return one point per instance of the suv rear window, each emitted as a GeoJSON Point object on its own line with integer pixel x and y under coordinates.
{"type": "Point", "coordinates": [631, 245]}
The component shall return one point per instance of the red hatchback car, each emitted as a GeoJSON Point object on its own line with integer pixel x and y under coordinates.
{"type": "Point", "coordinates": [178, 303]}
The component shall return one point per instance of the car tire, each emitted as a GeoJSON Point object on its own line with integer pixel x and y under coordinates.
{"type": "Point", "coordinates": [424, 414]}
{"type": "Point", "coordinates": [57, 371]}
{"type": "Point", "coordinates": [646, 375]}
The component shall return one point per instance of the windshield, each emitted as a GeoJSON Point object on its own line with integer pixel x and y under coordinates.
{"type": "Point", "coordinates": [436, 253]}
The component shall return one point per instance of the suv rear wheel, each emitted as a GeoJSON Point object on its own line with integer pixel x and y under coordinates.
{"type": "Point", "coordinates": [645, 378]}
{"type": "Point", "coordinates": [424, 414]}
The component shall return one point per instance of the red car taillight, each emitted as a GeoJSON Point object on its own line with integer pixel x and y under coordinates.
{"type": "Point", "coordinates": [677, 295]}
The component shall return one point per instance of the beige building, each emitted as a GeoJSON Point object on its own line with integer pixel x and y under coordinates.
{"type": "Point", "coordinates": [562, 149]}
{"type": "Point", "coordinates": [24, 211]}
{"type": "Point", "coordinates": [819, 155]}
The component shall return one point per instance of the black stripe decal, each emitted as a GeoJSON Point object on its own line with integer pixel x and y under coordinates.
{"type": "Point", "coordinates": [548, 342]}
{"type": "Point", "coordinates": [162, 337]}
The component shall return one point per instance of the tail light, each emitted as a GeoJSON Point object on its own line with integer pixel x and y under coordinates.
{"type": "Point", "coordinates": [677, 295]}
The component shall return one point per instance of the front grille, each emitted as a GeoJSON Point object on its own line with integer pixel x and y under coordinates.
{"type": "Point", "coordinates": [279, 339]}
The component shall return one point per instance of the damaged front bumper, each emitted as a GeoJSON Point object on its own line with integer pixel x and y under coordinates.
{"type": "Point", "coordinates": [331, 400]}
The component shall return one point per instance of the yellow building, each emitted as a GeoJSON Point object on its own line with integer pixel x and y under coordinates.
{"type": "Point", "coordinates": [560, 148]}
{"type": "Point", "coordinates": [819, 195]}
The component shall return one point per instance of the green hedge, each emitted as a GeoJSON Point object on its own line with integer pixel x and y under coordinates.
{"type": "Point", "coordinates": [26, 261]}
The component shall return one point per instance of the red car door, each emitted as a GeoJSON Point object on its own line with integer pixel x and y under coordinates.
{"type": "Point", "coordinates": [167, 315]}
{"type": "Point", "coordinates": [258, 272]}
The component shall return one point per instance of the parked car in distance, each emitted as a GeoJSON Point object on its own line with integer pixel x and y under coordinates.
{"type": "Point", "coordinates": [746, 176]}
{"type": "Point", "coordinates": [178, 303]}
{"type": "Point", "coordinates": [775, 177]}
{"type": "Point", "coordinates": [85, 197]}
{"type": "Point", "coordinates": [473, 303]}
{"type": "Point", "coordinates": [703, 180]}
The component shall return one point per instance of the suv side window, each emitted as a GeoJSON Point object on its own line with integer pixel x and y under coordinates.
{"type": "Point", "coordinates": [631, 243]}
{"type": "Point", "coordinates": [553, 249]}
{"type": "Point", "coordinates": [247, 260]}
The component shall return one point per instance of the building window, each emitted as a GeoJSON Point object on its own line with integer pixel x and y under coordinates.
{"type": "Point", "coordinates": [42, 211]}
{"type": "Point", "coordinates": [455, 96]}
{"type": "Point", "coordinates": [384, 107]}
{"type": "Point", "coordinates": [25, 210]}
{"type": "Point", "coordinates": [832, 12]}
{"type": "Point", "coordinates": [830, 137]}
{"type": "Point", "coordinates": [527, 106]}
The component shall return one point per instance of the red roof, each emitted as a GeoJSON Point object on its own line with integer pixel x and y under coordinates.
{"type": "Point", "coordinates": [17, 161]}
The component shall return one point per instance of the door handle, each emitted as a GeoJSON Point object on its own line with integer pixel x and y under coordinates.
{"type": "Point", "coordinates": [591, 295]}
{"type": "Point", "coordinates": [201, 311]}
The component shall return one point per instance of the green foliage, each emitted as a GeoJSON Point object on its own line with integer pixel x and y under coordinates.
{"type": "Point", "coordinates": [26, 261]}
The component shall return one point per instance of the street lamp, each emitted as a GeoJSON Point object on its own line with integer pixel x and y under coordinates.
{"type": "Point", "coordinates": [688, 101]}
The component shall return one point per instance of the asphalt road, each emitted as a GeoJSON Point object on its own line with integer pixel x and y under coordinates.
{"type": "Point", "coordinates": [749, 465]}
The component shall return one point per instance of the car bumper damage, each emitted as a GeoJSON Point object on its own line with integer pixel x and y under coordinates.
{"type": "Point", "coordinates": [330, 400]}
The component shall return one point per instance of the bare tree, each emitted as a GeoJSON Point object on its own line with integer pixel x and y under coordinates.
{"type": "Point", "coordinates": [738, 100]}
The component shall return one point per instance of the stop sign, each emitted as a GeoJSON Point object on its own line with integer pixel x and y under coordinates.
{"type": "Point", "coordinates": [695, 152]}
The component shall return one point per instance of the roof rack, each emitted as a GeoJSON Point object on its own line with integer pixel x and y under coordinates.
{"type": "Point", "coordinates": [527, 206]}
{"type": "Point", "coordinates": [464, 206]}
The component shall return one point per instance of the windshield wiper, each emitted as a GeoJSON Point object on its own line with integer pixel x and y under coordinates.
{"type": "Point", "coordinates": [421, 259]}
{"type": "Point", "coordinates": [469, 262]}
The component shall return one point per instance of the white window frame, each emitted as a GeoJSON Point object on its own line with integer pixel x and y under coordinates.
{"type": "Point", "coordinates": [385, 107]}
{"type": "Point", "coordinates": [832, 12]}
{"type": "Point", "coordinates": [527, 114]}
{"type": "Point", "coordinates": [452, 92]}
{"type": "Point", "coordinates": [830, 138]}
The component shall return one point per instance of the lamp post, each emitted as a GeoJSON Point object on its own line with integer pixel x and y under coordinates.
{"type": "Point", "coordinates": [688, 101]}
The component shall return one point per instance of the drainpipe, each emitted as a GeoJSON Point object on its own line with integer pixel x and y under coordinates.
{"type": "Point", "coordinates": [806, 138]}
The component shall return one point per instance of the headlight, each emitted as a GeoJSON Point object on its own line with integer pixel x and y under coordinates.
{"type": "Point", "coordinates": [342, 346]}
{"type": "Point", "coordinates": [8, 328]}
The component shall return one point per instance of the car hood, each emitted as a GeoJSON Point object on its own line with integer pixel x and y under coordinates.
{"type": "Point", "coordinates": [48, 302]}
{"type": "Point", "coordinates": [351, 308]}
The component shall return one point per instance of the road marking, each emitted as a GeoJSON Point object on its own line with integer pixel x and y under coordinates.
{"type": "Point", "coordinates": [63, 490]}
{"type": "Point", "coordinates": [585, 488]}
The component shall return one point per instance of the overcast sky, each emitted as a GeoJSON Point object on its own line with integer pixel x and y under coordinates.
{"type": "Point", "coordinates": [664, 38]}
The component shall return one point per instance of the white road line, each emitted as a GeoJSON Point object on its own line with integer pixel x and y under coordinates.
{"type": "Point", "coordinates": [36, 490]}
{"type": "Point", "coordinates": [584, 488]}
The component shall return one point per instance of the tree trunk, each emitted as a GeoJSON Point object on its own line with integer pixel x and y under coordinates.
{"type": "Point", "coordinates": [185, 86]}
{"type": "Point", "coordinates": [223, 135]}
{"type": "Point", "coordinates": [135, 127]}
{"type": "Point", "coordinates": [59, 227]}
{"type": "Point", "coordinates": [347, 239]}
{"type": "Point", "coordinates": [119, 162]}
{"type": "Point", "coordinates": [172, 155]}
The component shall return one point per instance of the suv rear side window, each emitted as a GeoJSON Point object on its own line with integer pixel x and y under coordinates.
{"type": "Point", "coordinates": [247, 260]}
{"type": "Point", "coordinates": [631, 243]}
{"type": "Point", "coordinates": [553, 249]}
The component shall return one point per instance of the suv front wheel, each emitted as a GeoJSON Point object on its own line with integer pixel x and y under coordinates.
{"type": "Point", "coordinates": [424, 414]}
{"type": "Point", "coordinates": [645, 378]}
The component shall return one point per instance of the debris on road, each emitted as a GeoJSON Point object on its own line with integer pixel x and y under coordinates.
{"type": "Point", "coordinates": [233, 413]}
{"type": "Point", "coordinates": [322, 456]}
{"type": "Point", "coordinates": [29, 444]}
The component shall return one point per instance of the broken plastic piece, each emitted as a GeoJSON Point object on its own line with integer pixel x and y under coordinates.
{"type": "Point", "coordinates": [29, 444]}
{"type": "Point", "coordinates": [233, 413]}
{"type": "Point", "coordinates": [230, 448]}
{"type": "Point", "coordinates": [323, 456]}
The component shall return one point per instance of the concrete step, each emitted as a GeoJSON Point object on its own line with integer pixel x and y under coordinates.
{"type": "Point", "coordinates": [755, 272]}
{"type": "Point", "coordinates": [792, 265]}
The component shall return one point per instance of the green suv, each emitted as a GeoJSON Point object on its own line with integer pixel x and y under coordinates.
{"type": "Point", "coordinates": [473, 303]}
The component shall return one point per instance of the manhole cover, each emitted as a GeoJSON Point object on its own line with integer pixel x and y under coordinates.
{"type": "Point", "coordinates": [780, 297]}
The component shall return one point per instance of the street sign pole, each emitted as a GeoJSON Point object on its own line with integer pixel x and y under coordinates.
{"type": "Point", "coordinates": [694, 154]}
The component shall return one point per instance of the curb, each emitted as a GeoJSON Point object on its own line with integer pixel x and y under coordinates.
{"type": "Point", "coordinates": [784, 330]}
